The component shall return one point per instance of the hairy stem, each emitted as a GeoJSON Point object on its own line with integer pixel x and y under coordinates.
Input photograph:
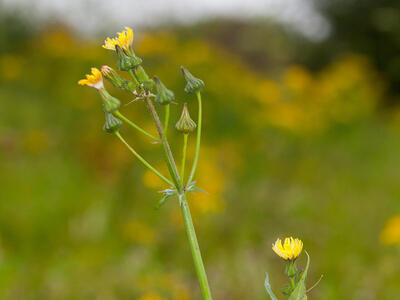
{"type": "Point", "coordinates": [166, 120]}
{"type": "Point", "coordinates": [126, 120]}
{"type": "Point", "coordinates": [198, 139]}
{"type": "Point", "coordinates": [150, 167]}
{"type": "Point", "coordinates": [194, 248]}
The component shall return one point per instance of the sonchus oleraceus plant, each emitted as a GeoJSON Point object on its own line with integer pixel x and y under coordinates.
{"type": "Point", "coordinates": [153, 92]}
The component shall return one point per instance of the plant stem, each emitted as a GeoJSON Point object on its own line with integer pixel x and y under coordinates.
{"type": "Point", "coordinates": [167, 150]}
{"type": "Point", "coordinates": [166, 120]}
{"type": "Point", "coordinates": [198, 138]}
{"type": "Point", "coordinates": [194, 248]}
{"type": "Point", "coordinates": [125, 119]}
{"type": "Point", "coordinates": [185, 142]}
{"type": "Point", "coordinates": [150, 167]}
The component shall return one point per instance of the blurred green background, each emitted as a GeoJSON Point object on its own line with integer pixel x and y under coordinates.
{"type": "Point", "coordinates": [301, 137]}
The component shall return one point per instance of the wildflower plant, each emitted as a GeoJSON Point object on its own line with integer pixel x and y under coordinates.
{"type": "Point", "coordinates": [289, 251]}
{"type": "Point", "coordinates": [153, 92]}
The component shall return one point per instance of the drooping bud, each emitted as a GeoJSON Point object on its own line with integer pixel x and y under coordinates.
{"type": "Point", "coordinates": [112, 123]}
{"type": "Point", "coordinates": [126, 61]}
{"type": "Point", "coordinates": [117, 80]}
{"type": "Point", "coordinates": [110, 103]}
{"type": "Point", "coordinates": [185, 124]}
{"type": "Point", "coordinates": [164, 96]}
{"type": "Point", "coordinates": [193, 84]}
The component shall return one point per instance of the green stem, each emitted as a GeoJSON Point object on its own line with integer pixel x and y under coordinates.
{"type": "Point", "coordinates": [150, 167]}
{"type": "Point", "coordinates": [292, 282]}
{"type": "Point", "coordinates": [198, 138]}
{"type": "Point", "coordinates": [194, 248]}
{"type": "Point", "coordinates": [125, 119]}
{"type": "Point", "coordinates": [166, 121]}
{"type": "Point", "coordinates": [167, 150]}
{"type": "Point", "coordinates": [185, 141]}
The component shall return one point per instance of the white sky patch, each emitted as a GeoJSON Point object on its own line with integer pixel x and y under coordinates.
{"type": "Point", "coordinates": [94, 16]}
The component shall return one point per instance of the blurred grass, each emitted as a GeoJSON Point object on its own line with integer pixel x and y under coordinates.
{"type": "Point", "coordinates": [290, 153]}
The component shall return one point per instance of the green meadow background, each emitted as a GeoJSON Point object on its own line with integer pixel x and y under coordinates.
{"type": "Point", "coordinates": [300, 139]}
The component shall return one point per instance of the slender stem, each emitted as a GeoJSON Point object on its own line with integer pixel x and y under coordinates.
{"type": "Point", "coordinates": [185, 142]}
{"type": "Point", "coordinates": [292, 282]}
{"type": "Point", "coordinates": [198, 138]}
{"type": "Point", "coordinates": [167, 150]}
{"type": "Point", "coordinates": [150, 167]}
{"type": "Point", "coordinates": [195, 249]}
{"type": "Point", "coordinates": [166, 120]}
{"type": "Point", "coordinates": [125, 119]}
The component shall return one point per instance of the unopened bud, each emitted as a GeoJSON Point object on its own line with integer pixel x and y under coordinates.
{"type": "Point", "coordinates": [164, 96]}
{"type": "Point", "coordinates": [112, 123]}
{"type": "Point", "coordinates": [185, 124]}
{"type": "Point", "coordinates": [117, 80]}
{"type": "Point", "coordinates": [141, 74]}
{"type": "Point", "coordinates": [193, 84]}
{"type": "Point", "coordinates": [110, 103]}
{"type": "Point", "coordinates": [126, 61]}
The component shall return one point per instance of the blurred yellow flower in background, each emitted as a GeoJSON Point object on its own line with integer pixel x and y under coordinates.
{"type": "Point", "coordinates": [391, 232]}
{"type": "Point", "coordinates": [124, 40]}
{"type": "Point", "coordinates": [151, 296]}
{"type": "Point", "coordinates": [290, 249]}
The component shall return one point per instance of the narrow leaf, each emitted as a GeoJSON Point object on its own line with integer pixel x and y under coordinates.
{"type": "Point", "coordinates": [162, 201]}
{"type": "Point", "coordinates": [268, 287]}
{"type": "Point", "coordinates": [299, 293]}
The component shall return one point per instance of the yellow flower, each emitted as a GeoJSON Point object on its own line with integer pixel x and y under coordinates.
{"type": "Point", "coordinates": [94, 80]}
{"type": "Point", "coordinates": [391, 232]}
{"type": "Point", "coordinates": [290, 249]}
{"type": "Point", "coordinates": [124, 40]}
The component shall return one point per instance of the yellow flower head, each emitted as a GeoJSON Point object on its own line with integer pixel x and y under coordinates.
{"type": "Point", "coordinates": [94, 80]}
{"type": "Point", "coordinates": [124, 40]}
{"type": "Point", "coordinates": [290, 249]}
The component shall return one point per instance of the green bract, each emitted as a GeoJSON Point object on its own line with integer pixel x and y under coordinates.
{"type": "Point", "coordinates": [164, 96]}
{"type": "Point", "coordinates": [193, 84]}
{"type": "Point", "coordinates": [112, 123]}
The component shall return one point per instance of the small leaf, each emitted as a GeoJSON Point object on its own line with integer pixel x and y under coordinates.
{"type": "Point", "coordinates": [268, 287]}
{"type": "Point", "coordinates": [167, 193]}
{"type": "Point", "coordinates": [299, 293]}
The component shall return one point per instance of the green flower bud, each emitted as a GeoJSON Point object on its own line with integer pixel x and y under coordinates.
{"type": "Point", "coordinates": [185, 124]}
{"type": "Point", "coordinates": [112, 123]}
{"type": "Point", "coordinates": [110, 103]}
{"type": "Point", "coordinates": [291, 269]}
{"type": "Point", "coordinates": [126, 61]}
{"type": "Point", "coordinates": [113, 77]}
{"type": "Point", "coordinates": [141, 74]}
{"type": "Point", "coordinates": [193, 84]}
{"type": "Point", "coordinates": [164, 96]}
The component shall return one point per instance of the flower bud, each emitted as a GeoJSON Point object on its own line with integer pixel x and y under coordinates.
{"type": "Point", "coordinates": [117, 80]}
{"type": "Point", "coordinates": [141, 74]}
{"type": "Point", "coordinates": [185, 124]}
{"type": "Point", "coordinates": [291, 269]}
{"type": "Point", "coordinates": [126, 61]}
{"type": "Point", "coordinates": [112, 123]}
{"type": "Point", "coordinates": [110, 103]}
{"type": "Point", "coordinates": [164, 96]}
{"type": "Point", "coordinates": [193, 84]}
{"type": "Point", "coordinates": [148, 85]}
{"type": "Point", "coordinates": [113, 77]}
